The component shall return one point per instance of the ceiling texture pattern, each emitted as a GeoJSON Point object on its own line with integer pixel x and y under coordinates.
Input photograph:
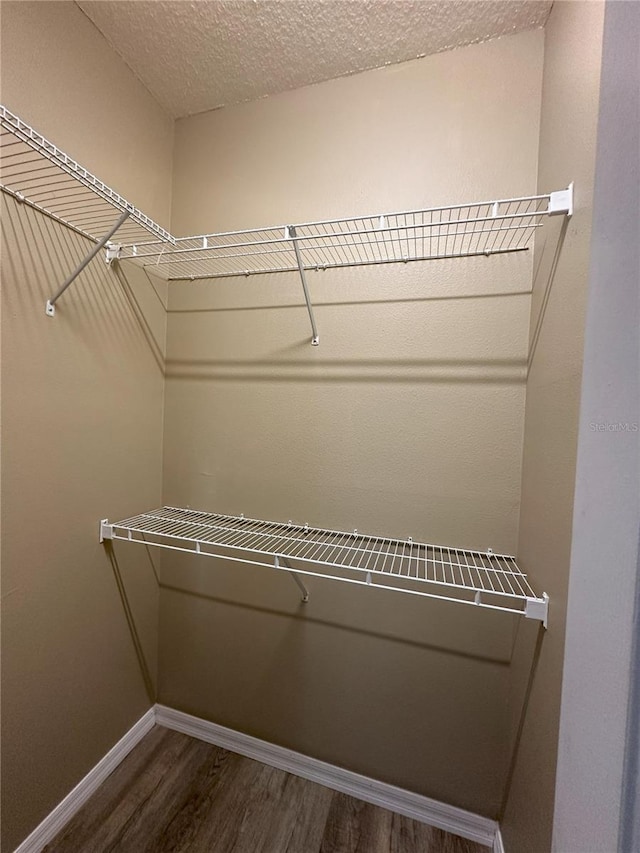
{"type": "Point", "coordinates": [197, 56]}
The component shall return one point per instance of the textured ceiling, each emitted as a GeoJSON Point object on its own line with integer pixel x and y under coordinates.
{"type": "Point", "coordinates": [196, 56]}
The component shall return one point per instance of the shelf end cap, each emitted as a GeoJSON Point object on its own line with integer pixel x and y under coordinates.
{"type": "Point", "coordinates": [113, 252]}
{"type": "Point", "coordinates": [561, 202]}
{"type": "Point", "coordinates": [538, 608]}
{"type": "Point", "coordinates": [105, 530]}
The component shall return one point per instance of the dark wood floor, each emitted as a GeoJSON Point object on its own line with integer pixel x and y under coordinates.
{"type": "Point", "coordinates": [174, 793]}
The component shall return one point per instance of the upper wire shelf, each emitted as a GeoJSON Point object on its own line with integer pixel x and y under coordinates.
{"type": "Point", "coordinates": [482, 228]}
{"type": "Point", "coordinates": [482, 579]}
{"type": "Point", "coordinates": [37, 173]}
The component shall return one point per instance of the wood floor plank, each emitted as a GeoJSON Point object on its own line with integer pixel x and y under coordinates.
{"type": "Point", "coordinates": [301, 830]}
{"type": "Point", "coordinates": [191, 807]}
{"type": "Point", "coordinates": [265, 809]}
{"type": "Point", "coordinates": [157, 808]}
{"type": "Point", "coordinates": [356, 827]}
{"type": "Point", "coordinates": [121, 795]}
{"type": "Point", "coordinates": [245, 810]}
{"type": "Point", "coordinates": [444, 842]}
{"type": "Point", "coordinates": [411, 836]}
{"type": "Point", "coordinates": [174, 793]}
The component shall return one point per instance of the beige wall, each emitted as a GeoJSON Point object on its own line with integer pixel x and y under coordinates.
{"type": "Point", "coordinates": [570, 97]}
{"type": "Point", "coordinates": [82, 425]}
{"type": "Point", "coordinates": [407, 419]}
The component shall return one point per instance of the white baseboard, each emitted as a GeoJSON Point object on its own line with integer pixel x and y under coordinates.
{"type": "Point", "coordinates": [449, 818]}
{"type": "Point", "coordinates": [65, 810]}
{"type": "Point", "coordinates": [498, 844]}
{"type": "Point", "coordinates": [424, 809]}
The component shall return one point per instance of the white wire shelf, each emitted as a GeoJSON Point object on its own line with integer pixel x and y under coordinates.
{"type": "Point", "coordinates": [39, 174]}
{"type": "Point", "coordinates": [480, 579]}
{"type": "Point", "coordinates": [464, 230]}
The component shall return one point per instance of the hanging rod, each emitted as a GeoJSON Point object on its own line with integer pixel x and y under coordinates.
{"type": "Point", "coordinates": [477, 578]}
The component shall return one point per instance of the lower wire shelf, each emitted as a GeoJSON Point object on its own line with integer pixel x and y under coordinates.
{"type": "Point", "coordinates": [481, 579]}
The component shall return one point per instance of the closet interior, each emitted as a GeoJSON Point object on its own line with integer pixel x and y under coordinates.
{"type": "Point", "coordinates": [37, 173]}
{"type": "Point", "coordinates": [292, 387]}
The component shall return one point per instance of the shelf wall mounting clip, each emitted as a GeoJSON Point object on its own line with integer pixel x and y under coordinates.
{"type": "Point", "coordinates": [561, 202]}
{"type": "Point", "coordinates": [113, 252]}
{"type": "Point", "coordinates": [290, 234]}
{"type": "Point", "coordinates": [106, 530]}
{"type": "Point", "coordinates": [538, 608]}
{"type": "Point", "coordinates": [50, 309]}
{"type": "Point", "coordinates": [282, 562]}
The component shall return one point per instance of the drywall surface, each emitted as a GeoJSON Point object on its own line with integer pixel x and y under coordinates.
{"type": "Point", "coordinates": [597, 743]}
{"type": "Point", "coordinates": [406, 420]}
{"type": "Point", "coordinates": [82, 429]}
{"type": "Point", "coordinates": [570, 96]}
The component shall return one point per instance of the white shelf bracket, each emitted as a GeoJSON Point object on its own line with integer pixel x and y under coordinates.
{"type": "Point", "coordinates": [538, 608]}
{"type": "Point", "coordinates": [113, 252]}
{"type": "Point", "coordinates": [106, 530]}
{"type": "Point", "coordinates": [290, 233]}
{"type": "Point", "coordinates": [50, 309]}
{"type": "Point", "coordinates": [561, 202]}
{"type": "Point", "coordinates": [282, 562]}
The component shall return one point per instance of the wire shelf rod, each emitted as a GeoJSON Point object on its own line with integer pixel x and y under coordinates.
{"type": "Point", "coordinates": [326, 266]}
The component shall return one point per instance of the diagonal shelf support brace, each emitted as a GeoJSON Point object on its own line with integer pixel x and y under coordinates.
{"type": "Point", "coordinates": [291, 235]}
{"type": "Point", "coordinates": [50, 309]}
{"type": "Point", "coordinates": [282, 562]}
